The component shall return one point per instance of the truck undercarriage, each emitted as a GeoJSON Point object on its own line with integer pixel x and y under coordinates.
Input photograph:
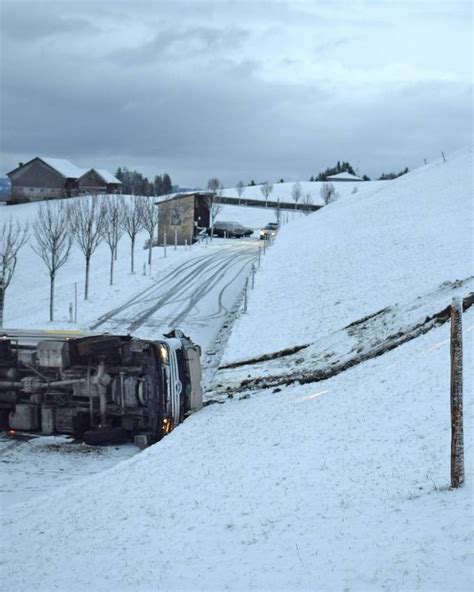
{"type": "Point", "coordinates": [99, 388]}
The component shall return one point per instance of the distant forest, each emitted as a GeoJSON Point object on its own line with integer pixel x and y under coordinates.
{"type": "Point", "coordinates": [134, 183]}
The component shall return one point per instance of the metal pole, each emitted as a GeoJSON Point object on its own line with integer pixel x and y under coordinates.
{"type": "Point", "coordinates": [75, 302]}
{"type": "Point", "coordinates": [264, 245]}
{"type": "Point", "coordinates": [253, 276]}
{"type": "Point", "coordinates": [457, 432]}
{"type": "Point", "coordinates": [259, 254]}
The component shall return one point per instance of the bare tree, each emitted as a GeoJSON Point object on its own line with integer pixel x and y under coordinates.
{"type": "Point", "coordinates": [296, 193]}
{"type": "Point", "coordinates": [240, 189]}
{"type": "Point", "coordinates": [177, 213]}
{"type": "Point", "coordinates": [113, 212]}
{"type": "Point", "coordinates": [215, 187]}
{"type": "Point", "coordinates": [150, 215]}
{"type": "Point", "coordinates": [266, 189]}
{"type": "Point", "coordinates": [328, 193]}
{"type": "Point", "coordinates": [132, 224]}
{"type": "Point", "coordinates": [12, 237]}
{"type": "Point", "coordinates": [53, 241]}
{"type": "Point", "coordinates": [307, 200]}
{"type": "Point", "coordinates": [216, 208]}
{"type": "Point", "coordinates": [278, 212]}
{"type": "Point", "coordinates": [214, 184]}
{"type": "Point", "coordinates": [86, 219]}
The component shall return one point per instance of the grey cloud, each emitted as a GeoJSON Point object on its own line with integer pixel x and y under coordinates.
{"type": "Point", "coordinates": [181, 43]}
{"type": "Point", "coordinates": [218, 116]}
{"type": "Point", "coordinates": [30, 21]}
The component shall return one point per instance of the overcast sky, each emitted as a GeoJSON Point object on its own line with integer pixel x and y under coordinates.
{"type": "Point", "coordinates": [238, 89]}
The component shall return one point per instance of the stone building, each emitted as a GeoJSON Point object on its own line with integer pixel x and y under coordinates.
{"type": "Point", "coordinates": [184, 213]}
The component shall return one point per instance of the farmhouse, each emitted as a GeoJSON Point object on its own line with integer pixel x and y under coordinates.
{"type": "Point", "coordinates": [99, 181]}
{"type": "Point", "coordinates": [345, 176]}
{"type": "Point", "coordinates": [53, 178]}
{"type": "Point", "coordinates": [183, 215]}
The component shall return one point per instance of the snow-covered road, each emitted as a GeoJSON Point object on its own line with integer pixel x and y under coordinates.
{"type": "Point", "coordinates": [195, 296]}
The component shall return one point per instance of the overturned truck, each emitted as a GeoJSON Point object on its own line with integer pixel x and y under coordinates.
{"type": "Point", "coordinates": [98, 388]}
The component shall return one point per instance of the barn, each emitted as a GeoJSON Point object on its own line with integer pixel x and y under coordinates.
{"type": "Point", "coordinates": [54, 178]}
{"type": "Point", "coordinates": [184, 215]}
{"type": "Point", "coordinates": [99, 181]}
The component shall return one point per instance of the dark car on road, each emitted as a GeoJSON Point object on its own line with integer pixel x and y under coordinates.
{"type": "Point", "coordinates": [230, 230]}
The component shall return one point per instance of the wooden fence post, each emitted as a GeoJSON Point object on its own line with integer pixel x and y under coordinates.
{"type": "Point", "coordinates": [246, 294]}
{"type": "Point", "coordinates": [457, 433]}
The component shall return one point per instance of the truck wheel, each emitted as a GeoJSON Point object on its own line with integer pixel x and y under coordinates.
{"type": "Point", "coordinates": [103, 436]}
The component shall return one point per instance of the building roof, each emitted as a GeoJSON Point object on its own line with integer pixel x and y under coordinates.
{"type": "Point", "coordinates": [69, 170]}
{"type": "Point", "coordinates": [64, 167]}
{"type": "Point", "coordinates": [173, 196]}
{"type": "Point", "coordinates": [345, 176]}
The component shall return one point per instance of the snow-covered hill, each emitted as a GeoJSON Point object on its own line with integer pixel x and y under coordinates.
{"type": "Point", "coordinates": [337, 485]}
{"type": "Point", "coordinates": [359, 255]}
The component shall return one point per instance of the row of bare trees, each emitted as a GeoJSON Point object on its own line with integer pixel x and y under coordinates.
{"type": "Point", "coordinates": [87, 222]}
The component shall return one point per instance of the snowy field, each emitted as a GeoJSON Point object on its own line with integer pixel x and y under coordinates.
{"type": "Point", "coordinates": [340, 484]}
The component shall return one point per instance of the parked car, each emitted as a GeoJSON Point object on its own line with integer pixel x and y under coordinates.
{"type": "Point", "coordinates": [269, 231]}
{"type": "Point", "coordinates": [230, 230]}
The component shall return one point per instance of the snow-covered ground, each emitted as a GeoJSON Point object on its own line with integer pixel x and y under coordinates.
{"type": "Point", "coordinates": [340, 484]}
{"type": "Point", "coordinates": [32, 467]}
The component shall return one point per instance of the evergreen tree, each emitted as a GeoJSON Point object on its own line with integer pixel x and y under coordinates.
{"type": "Point", "coordinates": [158, 183]}
{"type": "Point", "coordinates": [167, 185]}
{"type": "Point", "coordinates": [389, 176]}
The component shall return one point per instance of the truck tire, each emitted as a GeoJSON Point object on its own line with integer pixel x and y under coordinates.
{"type": "Point", "coordinates": [104, 436]}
